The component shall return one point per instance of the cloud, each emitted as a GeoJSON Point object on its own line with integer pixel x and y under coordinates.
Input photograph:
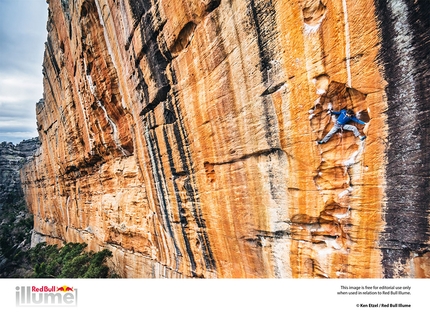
{"type": "Point", "coordinates": [18, 87]}
{"type": "Point", "coordinates": [22, 37]}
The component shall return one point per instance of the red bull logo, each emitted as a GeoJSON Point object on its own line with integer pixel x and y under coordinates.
{"type": "Point", "coordinates": [65, 288]}
{"type": "Point", "coordinates": [46, 296]}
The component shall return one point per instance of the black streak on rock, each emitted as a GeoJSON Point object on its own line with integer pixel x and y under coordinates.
{"type": "Point", "coordinates": [181, 138]}
{"type": "Point", "coordinates": [405, 54]}
{"type": "Point", "coordinates": [263, 14]}
{"type": "Point", "coordinates": [159, 180]}
{"type": "Point", "coordinates": [182, 218]}
{"type": "Point", "coordinates": [152, 52]}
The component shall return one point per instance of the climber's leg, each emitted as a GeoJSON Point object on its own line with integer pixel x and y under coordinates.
{"type": "Point", "coordinates": [330, 134]}
{"type": "Point", "coordinates": [353, 129]}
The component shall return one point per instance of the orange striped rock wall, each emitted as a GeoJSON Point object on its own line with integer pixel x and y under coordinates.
{"type": "Point", "coordinates": [182, 136]}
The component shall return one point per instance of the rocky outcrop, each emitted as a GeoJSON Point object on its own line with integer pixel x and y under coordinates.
{"type": "Point", "coordinates": [12, 158]}
{"type": "Point", "coordinates": [182, 136]}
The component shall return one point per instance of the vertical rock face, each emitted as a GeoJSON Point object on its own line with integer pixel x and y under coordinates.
{"type": "Point", "coordinates": [182, 135]}
{"type": "Point", "coordinates": [405, 52]}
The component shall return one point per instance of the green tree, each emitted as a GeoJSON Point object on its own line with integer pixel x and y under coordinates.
{"type": "Point", "coordinates": [15, 236]}
{"type": "Point", "coordinates": [69, 261]}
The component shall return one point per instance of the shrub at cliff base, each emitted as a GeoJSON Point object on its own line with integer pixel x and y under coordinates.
{"type": "Point", "coordinates": [69, 261]}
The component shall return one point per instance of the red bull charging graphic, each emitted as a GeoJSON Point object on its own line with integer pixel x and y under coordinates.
{"type": "Point", "coordinates": [46, 296]}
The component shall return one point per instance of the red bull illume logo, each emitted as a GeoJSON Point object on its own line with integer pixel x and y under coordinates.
{"type": "Point", "coordinates": [46, 296]}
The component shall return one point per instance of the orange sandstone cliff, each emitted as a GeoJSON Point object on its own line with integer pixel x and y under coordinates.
{"type": "Point", "coordinates": [182, 135]}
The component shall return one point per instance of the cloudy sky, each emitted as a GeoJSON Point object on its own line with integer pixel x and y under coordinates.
{"type": "Point", "coordinates": [22, 38]}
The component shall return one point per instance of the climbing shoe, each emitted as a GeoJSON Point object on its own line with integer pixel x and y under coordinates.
{"type": "Point", "coordinates": [320, 142]}
{"type": "Point", "coordinates": [362, 138]}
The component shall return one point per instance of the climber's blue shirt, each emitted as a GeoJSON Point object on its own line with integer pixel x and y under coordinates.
{"type": "Point", "coordinates": [344, 119]}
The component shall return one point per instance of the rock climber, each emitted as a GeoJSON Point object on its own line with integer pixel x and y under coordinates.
{"type": "Point", "coordinates": [344, 117]}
